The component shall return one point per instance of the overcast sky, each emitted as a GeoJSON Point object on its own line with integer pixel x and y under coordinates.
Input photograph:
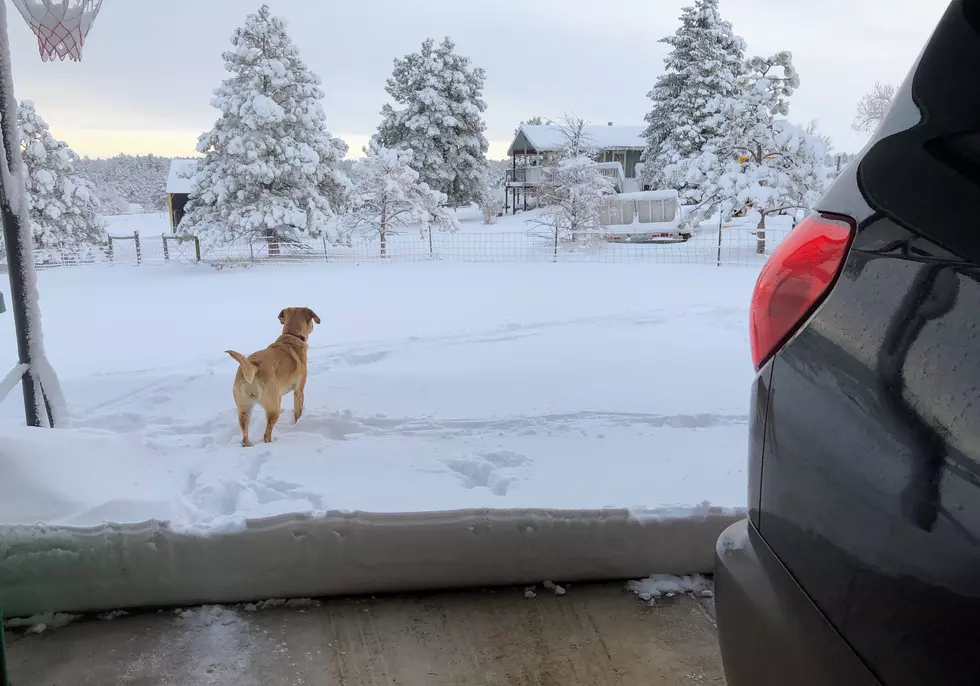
{"type": "Point", "coordinates": [150, 65]}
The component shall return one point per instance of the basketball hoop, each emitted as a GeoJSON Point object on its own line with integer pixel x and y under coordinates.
{"type": "Point", "coordinates": [60, 25]}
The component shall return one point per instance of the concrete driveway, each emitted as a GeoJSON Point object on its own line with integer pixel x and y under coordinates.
{"type": "Point", "coordinates": [595, 634]}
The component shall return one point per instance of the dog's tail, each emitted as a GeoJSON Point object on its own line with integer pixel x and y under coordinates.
{"type": "Point", "coordinates": [248, 369]}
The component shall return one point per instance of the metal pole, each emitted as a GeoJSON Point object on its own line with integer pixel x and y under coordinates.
{"type": "Point", "coordinates": [720, 217]}
{"type": "Point", "coordinates": [12, 232]}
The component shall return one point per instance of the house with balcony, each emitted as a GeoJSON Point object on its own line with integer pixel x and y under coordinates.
{"type": "Point", "coordinates": [536, 147]}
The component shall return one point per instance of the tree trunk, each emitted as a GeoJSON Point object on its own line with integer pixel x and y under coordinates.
{"type": "Point", "coordinates": [760, 235]}
{"type": "Point", "coordinates": [382, 231]}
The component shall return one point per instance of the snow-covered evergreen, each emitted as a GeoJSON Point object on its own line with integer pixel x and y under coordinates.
{"type": "Point", "coordinates": [757, 157]}
{"type": "Point", "coordinates": [271, 168]}
{"type": "Point", "coordinates": [126, 180]}
{"type": "Point", "coordinates": [62, 206]}
{"type": "Point", "coordinates": [573, 189]}
{"type": "Point", "coordinates": [392, 196]}
{"type": "Point", "coordinates": [439, 116]}
{"type": "Point", "coordinates": [704, 63]}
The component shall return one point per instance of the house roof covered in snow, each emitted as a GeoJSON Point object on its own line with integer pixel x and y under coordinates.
{"type": "Point", "coordinates": [549, 137]}
{"type": "Point", "coordinates": [181, 174]}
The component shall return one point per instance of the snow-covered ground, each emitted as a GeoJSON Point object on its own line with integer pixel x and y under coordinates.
{"type": "Point", "coordinates": [432, 386]}
{"type": "Point", "coordinates": [147, 225]}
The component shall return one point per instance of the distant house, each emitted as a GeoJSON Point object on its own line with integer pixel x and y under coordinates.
{"type": "Point", "coordinates": [178, 188]}
{"type": "Point", "coordinates": [535, 148]}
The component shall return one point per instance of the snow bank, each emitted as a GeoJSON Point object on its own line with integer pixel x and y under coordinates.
{"type": "Point", "coordinates": [82, 478]}
{"type": "Point", "coordinates": [61, 569]}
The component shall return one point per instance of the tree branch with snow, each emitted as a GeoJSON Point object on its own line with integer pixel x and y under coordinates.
{"type": "Point", "coordinates": [390, 196]}
{"type": "Point", "coordinates": [758, 158]}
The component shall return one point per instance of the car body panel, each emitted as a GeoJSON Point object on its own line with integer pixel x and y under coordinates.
{"type": "Point", "coordinates": [868, 452]}
{"type": "Point", "coordinates": [774, 634]}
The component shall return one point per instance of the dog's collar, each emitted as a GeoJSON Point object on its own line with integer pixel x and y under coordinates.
{"type": "Point", "coordinates": [302, 338]}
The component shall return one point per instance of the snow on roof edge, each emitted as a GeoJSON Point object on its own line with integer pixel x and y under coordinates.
{"type": "Point", "coordinates": [180, 177]}
{"type": "Point", "coordinates": [548, 137]}
{"type": "Point", "coordinates": [662, 194]}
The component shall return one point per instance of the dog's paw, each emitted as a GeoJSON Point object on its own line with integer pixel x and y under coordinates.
{"type": "Point", "coordinates": [296, 417]}
{"type": "Point", "coordinates": [246, 444]}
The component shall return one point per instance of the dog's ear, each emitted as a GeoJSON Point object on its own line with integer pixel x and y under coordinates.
{"type": "Point", "coordinates": [282, 317]}
{"type": "Point", "coordinates": [314, 315]}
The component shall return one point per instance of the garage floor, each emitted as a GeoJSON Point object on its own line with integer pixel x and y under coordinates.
{"type": "Point", "coordinates": [592, 635]}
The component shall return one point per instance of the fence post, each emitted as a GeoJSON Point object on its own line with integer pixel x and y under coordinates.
{"type": "Point", "coordinates": [166, 250]}
{"type": "Point", "coordinates": [197, 248]}
{"type": "Point", "coordinates": [111, 256]}
{"type": "Point", "coordinates": [136, 238]}
{"type": "Point", "coordinates": [323, 239]}
{"type": "Point", "coordinates": [721, 216]}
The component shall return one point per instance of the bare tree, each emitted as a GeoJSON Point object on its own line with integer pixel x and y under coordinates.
{"type": "Point", "coordinates": [872, 107]}
{"type": "Point", "coordinates": [573, 189]}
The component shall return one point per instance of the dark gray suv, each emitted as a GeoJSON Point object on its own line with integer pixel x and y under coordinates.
{"type": "Point", "coordinates": [860, 560]}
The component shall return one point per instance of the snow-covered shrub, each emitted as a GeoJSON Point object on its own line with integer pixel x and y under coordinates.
{"type": "Point", "coordinates": [490, 196]}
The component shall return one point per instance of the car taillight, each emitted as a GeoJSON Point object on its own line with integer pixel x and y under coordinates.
{"type": "Point", "coordinates": [795, 279]}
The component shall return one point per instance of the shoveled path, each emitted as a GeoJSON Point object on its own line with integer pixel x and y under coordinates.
{"type": "Point", "coordinates": [593, 635]}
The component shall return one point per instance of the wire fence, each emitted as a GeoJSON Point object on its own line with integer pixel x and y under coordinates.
{"type": "Point", "coordinates": [730, 246]}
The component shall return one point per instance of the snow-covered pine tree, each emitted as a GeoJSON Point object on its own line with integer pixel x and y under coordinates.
{"type": "Point", "coordinates": [144, 180]}
{"type": "Point", "coordinates": [270, 169]}
{"type": "Point", "coordinates": [704, 63]}
{"type": "Point", "coordinates": [62, 206]}
{"type": "Point", "coordinates": [758, 158]}
{"type": "Point", "coordinates": [128, 179]}
{"type": "Point", "coordinates": [392, 196]}
{"type": "Point", "coordinates": [439, 117]}
{"type": "Point", "coordinates": [573, 189]}
{"type": "Point", "coordinates": [94, 171]}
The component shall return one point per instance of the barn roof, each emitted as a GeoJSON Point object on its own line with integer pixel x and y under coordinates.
{"type": "Point", "coordinates": [181, 175]}
{"type": "Point", "coordinates": [549, 137]}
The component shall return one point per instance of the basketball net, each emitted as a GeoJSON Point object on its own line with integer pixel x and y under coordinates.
{"type": "Point", "coordinates": [60, 25]}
